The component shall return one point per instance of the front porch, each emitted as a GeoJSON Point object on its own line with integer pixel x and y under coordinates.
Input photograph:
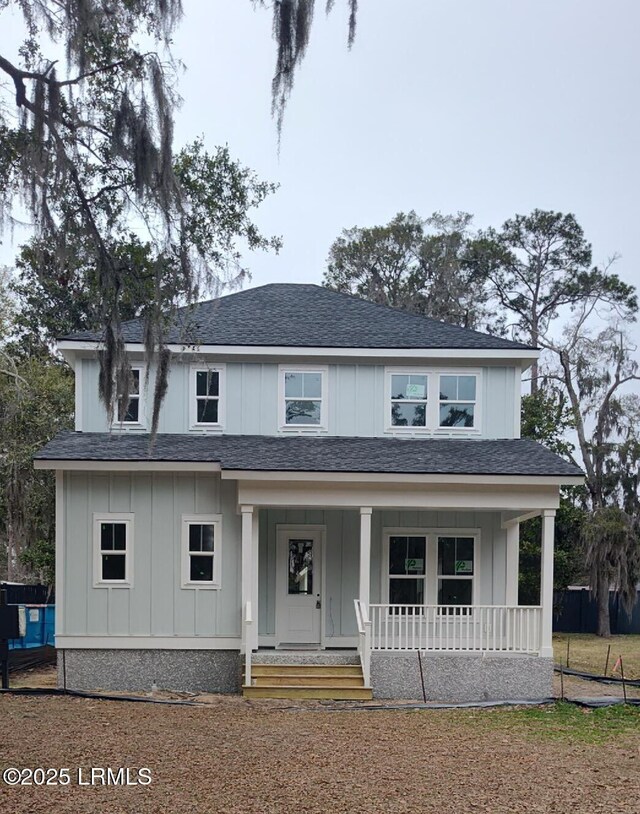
{"type": "Point", "coordinates": [422, 583]}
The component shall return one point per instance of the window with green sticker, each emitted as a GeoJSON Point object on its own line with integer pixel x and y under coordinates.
{"type": "Point", "coordinates": [456, 570]}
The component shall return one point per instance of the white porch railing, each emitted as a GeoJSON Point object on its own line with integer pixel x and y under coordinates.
{"type": "Point", "coordinates": [247, 621]}
{"type": "Point", "coordinates": [364, 640]}
{"type": "Point", "coordinates": [476, 628]}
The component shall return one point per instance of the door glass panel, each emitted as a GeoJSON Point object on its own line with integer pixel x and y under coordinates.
{"type": "Point", "coordinates": [300, 566]}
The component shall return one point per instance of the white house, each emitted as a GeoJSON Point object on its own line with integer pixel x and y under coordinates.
{"type": "Point", "coordinates": [332, 505]}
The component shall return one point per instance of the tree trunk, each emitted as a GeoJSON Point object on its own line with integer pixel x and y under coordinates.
{"type": "Point", "coordinates": [604, 626]}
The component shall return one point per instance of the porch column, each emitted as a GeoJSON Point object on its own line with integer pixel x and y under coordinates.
{"type": "Point", "coordinates": [513, 565]}
{"type": "Point", "coordinates": [246, 583]}
{"type": "Point", "coordinates": [365, 555]}
{"type": "Point", "coordinates": [255, 559]}
{"type": "Point", "coordinates": [546, 582]}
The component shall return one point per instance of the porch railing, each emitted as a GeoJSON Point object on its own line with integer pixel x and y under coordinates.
{"type": "Point", "coordinates": [473, 628]}
{"type": "Point", "coordinates": [364, 639]}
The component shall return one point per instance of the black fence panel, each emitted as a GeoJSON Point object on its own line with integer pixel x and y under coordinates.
{"type": "Point", "coordinates": [577, 612]}
{"type": "Point", "coordinates": [27, 594]}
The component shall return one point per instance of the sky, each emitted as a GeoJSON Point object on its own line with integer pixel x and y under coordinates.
{"type": "Point", "coordinates": [492, 107]}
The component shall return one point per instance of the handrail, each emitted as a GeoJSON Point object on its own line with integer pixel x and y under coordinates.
{"type": "Point", "coordinates": [462, 628]}
{"type": "Point", "coordinates": [247, 623]}
{"type": "Point", "coordinates": [364, 639]}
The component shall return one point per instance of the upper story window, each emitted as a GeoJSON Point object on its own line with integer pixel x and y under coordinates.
{"type": "Point", "coordinates": [206, 386]}
{"type": "Point", "coordinates": [457, 401]}
{"type": "Point", "coordinates": [421, 400]}
{"type": "Point", "coordinates": [113, 538]}
{"type": "Point", "coordinates": [409, 400]}
{"type": "Point", "coordinates": [132, 411]}
{"type": "Point", "coordinates": [303, 398]}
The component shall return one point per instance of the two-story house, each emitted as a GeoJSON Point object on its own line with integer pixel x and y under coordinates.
{"type": "Point", "coordinates": [332, 504]}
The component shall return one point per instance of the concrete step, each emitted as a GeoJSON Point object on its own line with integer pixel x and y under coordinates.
{"type": "Point", "coordinates": [313, 693]}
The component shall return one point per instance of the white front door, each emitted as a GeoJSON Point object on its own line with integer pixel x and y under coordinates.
{"type": "Point", "coordinates": [299, 585]}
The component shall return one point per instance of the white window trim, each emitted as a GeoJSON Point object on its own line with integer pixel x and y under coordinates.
{"type": "Point", "coordinates": [211, 519]}
{"type": "Point", "coordinates": [476, 403]}
{"type": "Point", "coordinates": [194, 424]}
{"type": "Point", "coordinates": [112, 517]}
{"type": "Point", "coordinates": [324, 404]}
{"type": "Point", "coordinates": [141, 423]}
{"type": "Point", "coordinates": [431, 575]}
{"type": "Point", "coordinates": [433, 400]}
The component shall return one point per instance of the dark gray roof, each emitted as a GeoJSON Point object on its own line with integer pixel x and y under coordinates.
{"type": "Point", "coordinates": [306, 454]}
{"type": "Point", "coordinates": [283, 314]}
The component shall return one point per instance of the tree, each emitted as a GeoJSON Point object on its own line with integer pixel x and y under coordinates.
{"type": "Point", "coordinates": [292, 21]}
{"type": "Point", "coordinates": [415, 264]}
{"type": "Point", "coordinates": [36, 402]}
{"type": "Point", "coordinates": [547, 417]}
{"type": "Point", "coordinates": [538, 264]}
{"type": "Point", "coordinates": [55, 300]}
{"type": "Point", "coordinates": [87, 145]}
{"type": "Point", "coordinates": [595, 368]}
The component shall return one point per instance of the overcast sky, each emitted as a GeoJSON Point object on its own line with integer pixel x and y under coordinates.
{"type": "Point", "coordinates": [488, 106]}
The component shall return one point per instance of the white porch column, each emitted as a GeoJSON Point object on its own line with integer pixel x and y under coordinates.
{"type": "Point", "coordinates": [546, 582]}
{"type": "Point", "coordinates": [255, 558]}
{"type": "Point", "coordinates": [365, 555]}
{"type": "Point", "coordinates": [513, 564]}
{"type": "Point", "coordinates": [246, 583]}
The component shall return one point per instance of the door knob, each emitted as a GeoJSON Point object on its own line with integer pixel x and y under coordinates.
{"type": "Point", "coordinates": [318, 602]}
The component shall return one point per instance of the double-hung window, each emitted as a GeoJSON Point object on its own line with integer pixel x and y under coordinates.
{"type": "Point", "coordinates": [130, 411]}
{"type": "Point", "coordinates": [457, 401]}
{"type": "Point", "coordinates": [456, 570]}
{"type": "Point", "coordinates": [409, 399]}
{"type": "Point", "coordinates": [207, 384]}
{"type": "Point", "coordinates": [431, 567]}
{"type": "Point", "coordinates": [201, 543]}
{"type": "Point", "coordinates": [303, 398]}
{"type": "Point", "coordinates": [407, 561]}
{"type": "Point", "coordinates": [113, 538]}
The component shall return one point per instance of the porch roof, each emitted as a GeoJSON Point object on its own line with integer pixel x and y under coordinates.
{"type": "Point", "coordinates": [258, 453]}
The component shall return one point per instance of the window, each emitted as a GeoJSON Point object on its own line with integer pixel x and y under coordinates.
{"type": "Point", "coordinates": [303, 402]}
{"type": "Point", "coordinates": [457, 401]}
{"type": "Point", "coordinates": [207, 387]}
{"type": "Point", "coordinates": [201, 540]}
{"type": "Point", "coordinates": [113, 534]}
{"type": "Point", "coordinates": [409, 400]}
{"type": "Point", "coordinates": [300, 567]}
{"type": "Point", "coordinates": [456, 570]}
{"type": "Point", "coordinates": [131, 411]}
{"type": "Point", "coordinates": [407, 559]}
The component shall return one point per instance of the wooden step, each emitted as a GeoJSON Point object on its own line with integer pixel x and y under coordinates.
{"type": "Point", "coordinates": [317, 693]}
{"type": "Point", "coordinates": [335, 670]}
{"type": "Point", "coordinates": [294, 679]}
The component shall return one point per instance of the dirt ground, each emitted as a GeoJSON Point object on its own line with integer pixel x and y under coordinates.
{"type": "Point", "coordinates": [236, 756]}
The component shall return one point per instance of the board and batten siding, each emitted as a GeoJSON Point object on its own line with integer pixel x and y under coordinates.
{"type": "Point", "coordinates": [156, 604]}
{"type": "Point", "coordinates": [341, 559]}
{"type": "Point", "coordinates": [356, 400]}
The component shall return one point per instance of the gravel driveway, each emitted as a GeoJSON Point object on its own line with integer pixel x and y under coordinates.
{"type": "Point", "coordinates": [237, 756]}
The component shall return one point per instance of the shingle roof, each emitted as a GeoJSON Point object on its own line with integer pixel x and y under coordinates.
{"type": "Point", "coordinates": [313, 454]}
{"type": "Point", "coordinates": [292, 315]}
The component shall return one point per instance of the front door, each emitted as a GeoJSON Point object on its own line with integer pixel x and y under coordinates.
{"type": "Point", "coordinates": [299, 586]}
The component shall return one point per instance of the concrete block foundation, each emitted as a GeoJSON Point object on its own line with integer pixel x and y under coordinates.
{"type": "Point", "coordinates": [460, 677]}
{"type": "Point", "coordinates": [136, 670]}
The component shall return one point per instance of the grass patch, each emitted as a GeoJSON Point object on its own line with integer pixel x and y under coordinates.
{"type": "Point", "coordinates": [588, 653]}
{"type": "Point", "coordinates": [563, 722]}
